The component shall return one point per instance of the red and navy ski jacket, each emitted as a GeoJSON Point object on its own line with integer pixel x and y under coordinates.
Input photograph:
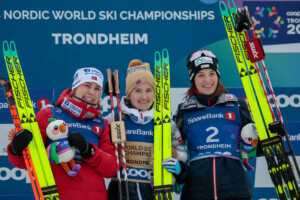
{"type": "Point", "coordinates": [89, 182]}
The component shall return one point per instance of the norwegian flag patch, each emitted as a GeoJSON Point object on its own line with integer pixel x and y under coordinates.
{"type": "Point", "coordinates": [139, 81]}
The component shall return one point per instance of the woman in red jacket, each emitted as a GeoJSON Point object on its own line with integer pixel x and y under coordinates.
{"type": "Point", "coordinates": [79, 107]}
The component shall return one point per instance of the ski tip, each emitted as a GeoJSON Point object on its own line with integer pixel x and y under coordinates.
{"type": "Point", "coordinates": [223, 8]}
{"type": "Point", "coordinates": [5, 46]}
{"type": "Point", "coordinates": [232, 6]}
{"type": "Point", "coordinates": [165, 53]}
{"type": "Point", "coordinates": [157, 56]}
{"type": "Point", "coordinates": [12, 45]}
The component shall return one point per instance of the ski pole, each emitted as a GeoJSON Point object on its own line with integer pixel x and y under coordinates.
{"type": "Point", "coordinates": [110, 87]}
{"type": "Point", "coordinates": [116, 81]}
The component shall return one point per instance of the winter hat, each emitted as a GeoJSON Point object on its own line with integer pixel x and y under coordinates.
{"type": "Point", "coordinates": [138, 73]}
{"type": "Point", "coordinates": [201, 59]}
{"type": "Point", "coordinates": [87, 74]}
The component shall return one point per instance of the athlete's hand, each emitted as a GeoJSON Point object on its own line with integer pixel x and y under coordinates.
{"type": "Point", "coordinates": [172, 165]}
{"type": "Point", "coordinates": [78, 141]}
{"type": "Point", "coordinates": [20, 141]}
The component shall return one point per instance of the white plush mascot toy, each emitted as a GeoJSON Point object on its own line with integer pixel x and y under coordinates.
{"type": "Point", "coordinates": [248, 144]}
{"type": "Point", "coordinates": [60, 150]}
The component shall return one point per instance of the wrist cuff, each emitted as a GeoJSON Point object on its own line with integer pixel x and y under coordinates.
{"type": "Point", "coordinates": [89, 153]}
{"type": "Point", "coordinates": [12, 151]}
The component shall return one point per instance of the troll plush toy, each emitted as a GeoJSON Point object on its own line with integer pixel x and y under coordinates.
{"type": "Point", "coordinates": [60, 150]}
{"type": "Point", "coordinates": [248, 144]}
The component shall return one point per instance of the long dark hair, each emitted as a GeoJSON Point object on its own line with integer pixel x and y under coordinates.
{"type": "Point", "coordinates": [219, 90]}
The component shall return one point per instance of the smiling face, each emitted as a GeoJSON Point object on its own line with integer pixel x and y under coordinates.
{"type": "Point", "coordinates": [206, 81]}
{"type": "Point", "coordinates": [142, 96]}
{"type": "Point", "coordinates": [89, 92]}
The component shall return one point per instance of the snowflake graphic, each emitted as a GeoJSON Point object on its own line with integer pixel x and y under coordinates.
{"type": "Point", "coordinates": [267, 22]}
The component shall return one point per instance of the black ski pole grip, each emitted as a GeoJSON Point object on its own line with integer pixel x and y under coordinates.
{"type": "Point", "coordinates": [277, 127]}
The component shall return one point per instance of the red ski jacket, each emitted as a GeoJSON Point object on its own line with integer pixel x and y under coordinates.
{"type": "Point", "coordinates": [89, 182]}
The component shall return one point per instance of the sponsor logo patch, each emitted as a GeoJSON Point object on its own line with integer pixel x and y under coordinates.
{"type": "Point", "coordinates": [203, 60]}
{"type": "Point", "coordinates": [71, 107]}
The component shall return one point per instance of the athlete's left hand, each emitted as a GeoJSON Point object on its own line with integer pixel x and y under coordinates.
{"type": "Point", "coordinates": [172, 165]}
{"type": "Point", "coordinates": [78, 141]}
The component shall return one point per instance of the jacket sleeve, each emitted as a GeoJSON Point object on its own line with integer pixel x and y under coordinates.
{"type": "Point", "coordinates": [246, 119]}
{"type": "Point", "coordinates": [178, 119]}
{"type": "Point", "coordinates": [104, 160]}
{"type": "Point", "coordinates": [42, 119]}
{"type": "Point", "coordinates": [244, 112]}
{"type": "Point", "coordinates": [17, 161]}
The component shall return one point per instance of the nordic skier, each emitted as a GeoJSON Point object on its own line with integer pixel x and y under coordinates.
{"type": "Point", "coordinates": [211, 121]}
{"type": "Point", "coordinates": [138, 113]}
{"type": "Point", "coordinates": [79, 107]}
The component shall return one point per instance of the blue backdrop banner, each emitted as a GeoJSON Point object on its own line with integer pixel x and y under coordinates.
{"type": "Point", "coordinates": [55, 38]}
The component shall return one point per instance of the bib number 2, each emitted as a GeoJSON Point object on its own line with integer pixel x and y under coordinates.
{"type": "Point", "coordinates": [213, 132]}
